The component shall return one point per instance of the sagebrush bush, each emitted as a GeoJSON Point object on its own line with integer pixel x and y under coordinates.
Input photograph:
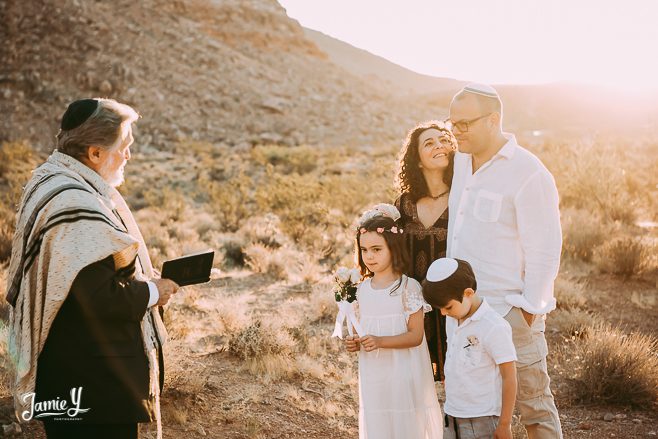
{"type": "Point", "coordinates": [261, 259]}
{"type": "Point", "coordinates": [265, 348]}
{"type": "Point", "coordinates": [264, 229]}
{"type": "Point", "coordinates": [298, 159]}
{"type": "Point", "coordinates": [623, 256]}
{"type": "Point", "coordinates": [254, 341]}
{"type": "Point", "coordinates": [570, 294]}
{"type": "Point", "coordinates": [617, 369]}
{"type": "Point", "coordinates": [6, 236]}
{"type": "Point", "coordinates": [572, 322]}
{"type": "Point", "coordinates": [590, 176]}
{"type": "Point", "coordinates": [234, 251]}
{"type": "Point", "coordinates": [582, 233]}
{"type": "Point", "coordinates": [231, 200]}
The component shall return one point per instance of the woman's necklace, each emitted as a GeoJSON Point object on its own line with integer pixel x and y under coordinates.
{"type": "Point", "coordinates": [440, 195]}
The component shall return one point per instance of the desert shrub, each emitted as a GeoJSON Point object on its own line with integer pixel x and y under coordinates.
{"type": "Point", "coordinates": [298, 159]}
{"type": "Point", "coordinates": [569, 294]}
{"type": "Point", "coordinates": [230, 200]}
{"type": "Point", "coordinates": [617, 368]}
{"type": "Point", "coordinates": [321, 307]}
{"type": "Point", "coordinates": [574, 323]}
{"type": "Point", "coordinates": [265, 229]}
{"type": "Point", "coordinates": [591, 176]}
{"type": "Point", "coordinates": [261, 259]}
{"type": "Point", "coordinates": [582, 233]}
{"type": "Point", "coordinates": [7, 221]}
{"type": "Point", "coordinates": [264, 348]}
{"type": "Point", "coordinates": [169, 201]}
{"type": "Point", "coordinates": [623, 256]}
{"type": "Point", "coordinates": [233, 249]}
{"type": "Point", "coordinates": [295, 199]}
{"type": "Point", "coordinates": [284, 263]}
{"type": "Point", "coordinates": [17, 159]}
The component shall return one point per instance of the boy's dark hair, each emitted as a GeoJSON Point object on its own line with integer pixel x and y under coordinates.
{"type": "Point", "coordinates": [440, 293]}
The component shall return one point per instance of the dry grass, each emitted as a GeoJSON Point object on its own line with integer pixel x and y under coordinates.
{"type": "Point", "coordinates": [265, 348]}
{"type": "Point", "coordinates": [616, 368]}
{"type": "Point", "coordinates": [624, 256]}
{"type": "Point", "coordinates": [582, 233]}
{"type": "Point", "coordinates": [570, 294]}
{"type": "Point", "coordinates": [574, 323]}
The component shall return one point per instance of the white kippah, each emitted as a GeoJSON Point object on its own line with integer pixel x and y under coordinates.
{"type": "Point", "coordinates": [441, 269]}
{"type": "Point", "coordinates": [481, 89]}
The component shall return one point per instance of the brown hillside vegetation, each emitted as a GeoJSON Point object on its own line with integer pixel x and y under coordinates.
{"type": "Point", "coordinates": [230, 72]}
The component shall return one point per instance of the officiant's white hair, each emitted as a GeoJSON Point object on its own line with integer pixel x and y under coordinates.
{"type": "Point", "coordinates": [103, 127]}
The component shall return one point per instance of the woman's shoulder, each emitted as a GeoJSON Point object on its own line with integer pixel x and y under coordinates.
{"type": "Point", "coordinates": [405, 205]}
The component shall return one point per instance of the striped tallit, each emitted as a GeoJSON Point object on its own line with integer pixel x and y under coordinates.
{"type": "Point", "coordinates": [69, 218]}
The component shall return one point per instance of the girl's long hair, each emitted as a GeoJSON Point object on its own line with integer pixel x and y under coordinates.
{"type": "Point", "coordinates": [395, 241]}
{"type": "Point", "coordinates": [410, 178]}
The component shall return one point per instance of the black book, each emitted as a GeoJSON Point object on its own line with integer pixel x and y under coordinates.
{"type": "Point", "coordinates": [189, 269]}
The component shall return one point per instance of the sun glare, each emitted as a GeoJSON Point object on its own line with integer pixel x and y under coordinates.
{"type": "Point", "coordinates": [512, 42]}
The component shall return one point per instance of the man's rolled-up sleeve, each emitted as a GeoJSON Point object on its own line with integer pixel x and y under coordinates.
{"type": "Point", "coordinates": [105, 293]}
{"type": "Point", "coordinates": [540, 234]}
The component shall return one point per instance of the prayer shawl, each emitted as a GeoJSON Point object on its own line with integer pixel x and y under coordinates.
{"type": "Point", "coordinates": [69, 218]}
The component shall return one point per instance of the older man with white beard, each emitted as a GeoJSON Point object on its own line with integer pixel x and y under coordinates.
{"type": "Point", "coordinates": [86, 332]}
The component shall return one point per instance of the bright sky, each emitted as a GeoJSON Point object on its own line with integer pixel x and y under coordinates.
{"type": "Point", "coordinates": [500, 41]}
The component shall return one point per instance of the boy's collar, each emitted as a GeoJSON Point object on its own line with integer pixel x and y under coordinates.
{"type": "Point", "coordinates": [477, 315]}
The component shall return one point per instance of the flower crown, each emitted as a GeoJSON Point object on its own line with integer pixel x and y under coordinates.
{"type": "Point", "coordinates": [385, 210]}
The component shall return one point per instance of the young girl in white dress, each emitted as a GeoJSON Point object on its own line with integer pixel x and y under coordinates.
{"type": "Point", "coordinates": [397, 398]}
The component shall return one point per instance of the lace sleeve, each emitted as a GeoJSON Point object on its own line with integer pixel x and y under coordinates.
{"type": "Point", "coordinates": [412, 298]}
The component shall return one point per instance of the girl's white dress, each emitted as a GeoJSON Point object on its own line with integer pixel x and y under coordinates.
{"type": "Point", "coordinates": [396, 386]}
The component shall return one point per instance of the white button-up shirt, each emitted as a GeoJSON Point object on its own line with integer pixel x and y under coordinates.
{"type": "Point", "coordinates": [476, 348]}
{"type": "Point", "coordinates": [505, 221]}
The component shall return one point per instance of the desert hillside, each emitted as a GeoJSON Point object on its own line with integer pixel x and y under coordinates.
{"type": "Point", "coordinates": [234, 73]}
{"type": "Point", "coordinates": [365, 64]}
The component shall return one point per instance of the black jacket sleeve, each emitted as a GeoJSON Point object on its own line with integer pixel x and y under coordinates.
{"type": "Point", "coordinates": [107, 294]}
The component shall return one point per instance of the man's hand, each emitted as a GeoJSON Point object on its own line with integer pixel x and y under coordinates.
{"type": "Point", "coordinates": [352, 343]}
{"type": "Point", "coordinates": [503, 431]}
{"type": "Point", "coordinates": [166, 288]}
{"type": "Point", "coordinates": [371, 342]}
{"type": "Point", "coordinates": [529, 318]}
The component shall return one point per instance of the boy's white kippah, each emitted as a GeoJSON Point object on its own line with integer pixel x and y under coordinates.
{"type": "Point", "coordinates": [481, 89]}
{"type": "Point", "coordinates": [441, 269]}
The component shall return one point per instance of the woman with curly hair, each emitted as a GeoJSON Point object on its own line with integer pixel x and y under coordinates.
{"type": "Point", "coordinates": [424, 178]}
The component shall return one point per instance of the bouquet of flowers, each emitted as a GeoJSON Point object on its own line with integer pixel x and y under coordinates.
{"type": "Point", "coordinates": [345, 294]}
{"type": "Point", "coordinates": [346, 281]}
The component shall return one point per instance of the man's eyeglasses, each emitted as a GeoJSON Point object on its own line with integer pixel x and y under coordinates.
{"type": "Point", "coordinates": [463, 125]}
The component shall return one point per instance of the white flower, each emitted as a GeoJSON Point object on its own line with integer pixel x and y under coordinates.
{"type": "Point", "coordinates": [355, 275]}
{"type": "Point", "coordinates": [343, 274]}
{"type": "Point", "coordinates": [381, 209]}
{"type": "Point", "coordinates": [388, 210]}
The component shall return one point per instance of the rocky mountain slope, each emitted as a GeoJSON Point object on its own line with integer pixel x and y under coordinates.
{"type": "Point", "coordinates": [363, 63]}
{"type": "Point", "coordinates": [234, 73]}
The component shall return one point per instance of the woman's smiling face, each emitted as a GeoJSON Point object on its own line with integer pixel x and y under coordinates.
{"type": "Point", "coordinates": [434, 149]}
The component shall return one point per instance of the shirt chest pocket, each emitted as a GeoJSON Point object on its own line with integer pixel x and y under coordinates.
{"type": "Point", "coordinates": [487, 206]}
{"type": "Point", "coordinates": [471, 356]}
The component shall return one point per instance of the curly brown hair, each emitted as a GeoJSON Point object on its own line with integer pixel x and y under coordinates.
{"type": "Point", "coordinates": [410, 178]}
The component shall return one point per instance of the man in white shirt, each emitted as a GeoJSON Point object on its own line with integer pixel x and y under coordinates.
{"type": "Point", "coordinates": [505, 221]}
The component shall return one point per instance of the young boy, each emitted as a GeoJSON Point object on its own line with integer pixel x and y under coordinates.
{"type": "Point", "coordinates": [480, 370]}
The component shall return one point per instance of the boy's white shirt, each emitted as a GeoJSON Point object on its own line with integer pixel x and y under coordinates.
{"type": "Point", "coordinates": [473, 382]}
